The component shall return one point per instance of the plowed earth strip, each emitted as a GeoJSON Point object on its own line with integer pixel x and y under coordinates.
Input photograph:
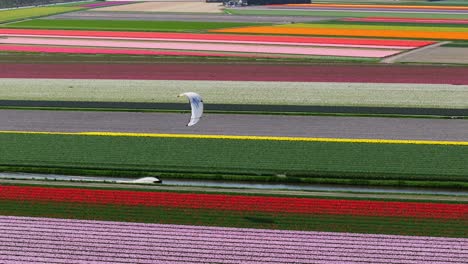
{"type": "Point", "coordinates": [241, 72]}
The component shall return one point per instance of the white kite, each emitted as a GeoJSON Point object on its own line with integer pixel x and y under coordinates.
{"type": "Point", "coordinates": [196, 103]}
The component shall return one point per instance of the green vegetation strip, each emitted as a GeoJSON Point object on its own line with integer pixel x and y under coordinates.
{"type": "Point", "coordinates": [205, 217]}
{"type": "Point", "coordinates": [255, 12]}
{"type": "Point", "coordinates": [34, 12]}
{"type": "Point", "coordinates": [457, 44]}
{"type": "Point", "coordinates": [239, 92]}
{"type": "Point", "coordinates": [326, 162]}
{"type": "Point", "coordinates": [128, 25]}
{"type": "Point", "coordinates": [296, 110]}
{"type": "Point", "coordinates": [376, 27]}
{"type": "Point", "coordinates": [397, 25]}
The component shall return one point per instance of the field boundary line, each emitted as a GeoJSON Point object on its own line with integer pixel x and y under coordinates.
{"type": "Point", "coordinates": [234, 137]}
{"type": "Point", "coordinates": [396, 57]}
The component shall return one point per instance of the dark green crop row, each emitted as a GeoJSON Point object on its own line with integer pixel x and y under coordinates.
{"type": "Point", "coordinates": [206, 217]}
{"type": "Point", "coordinates": [358, 163]}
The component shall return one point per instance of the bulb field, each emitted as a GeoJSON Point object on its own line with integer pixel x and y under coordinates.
{"type": "Point", "coordinates": [375, 162]}
{"type": "Point", "coordinates": [156, 243]}
{"type": "Point", "coordinates": [332, 132]}
{"type": "Point", "coordinates": [389, 217]}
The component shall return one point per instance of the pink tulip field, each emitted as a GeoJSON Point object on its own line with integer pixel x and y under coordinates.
{"type": "Point", "coordinates": [47, 240]}
{"type": "Point", "coordinates": [152, 43]}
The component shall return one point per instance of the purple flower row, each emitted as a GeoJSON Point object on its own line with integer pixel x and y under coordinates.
{"type": "Point", "coordinates": [78, 241]}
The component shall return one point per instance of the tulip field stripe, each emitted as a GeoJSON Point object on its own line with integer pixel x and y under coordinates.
{"type": "Point", "coordinates": [405, 20]}
{"type": "Point", "coordinates": [345, 160]}
{"type": "Point", "coordinates": [234, 137]}
{"type": "Point", "coordinates": [455, 77]}
{"type": "Point", "coordinates": [163, 231]}
{"type": "Point", "coordinates": [83, 50]}
{"type": "Point", "coordinates": [238, 203]}
{"type": "Point", "coordinates": [257, 43]}
{"type": "Point", "coordinates": [83, 238]}
{"type": "Point", "coordinates": [193, 249]}
{"type": "Point", "coordinates": [110, 229]}
{"type": "Point", "coordinates": [240, 219]}
{"type": "Point", "coordinates": [302, 50]}
{"type": "Point", "coordinates": [445, 7]}
{"type": "Point", "coordinates": [320, 30]}
{"type": "Point", "coordinates": [438, 96]}
{"type": "Point", "coordinates": [216, 37]}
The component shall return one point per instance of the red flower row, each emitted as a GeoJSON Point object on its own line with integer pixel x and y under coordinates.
{"type": "Point", "coordinates": [238, 202]}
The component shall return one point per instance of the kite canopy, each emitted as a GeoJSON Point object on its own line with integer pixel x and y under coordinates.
{"type": "Point", "coordinates": [196, 103]}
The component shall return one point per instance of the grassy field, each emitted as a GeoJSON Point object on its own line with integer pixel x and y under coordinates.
{"type": "Point", "coordinates": [396, 25]}
{"type": "Point", "coordinates": [242, 92]}
{"type": "Point", "coordinates": [340, 14]}
{"type": "Point", "coordinates": [25, 13]}
{"type": "Point", "coordinates": [205, 217]}
{"type": "Point", "coordinates": [326, 162]}
{"type": "Point", "coordinates": [172, 26]}
{"type": "Point", "coordinates": [460, 44]}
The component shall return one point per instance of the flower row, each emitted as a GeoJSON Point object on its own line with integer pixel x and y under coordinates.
{"type": "Point", "coordinates": [56, 241]}
{"type": "Point", "coordinates": [238, 202]}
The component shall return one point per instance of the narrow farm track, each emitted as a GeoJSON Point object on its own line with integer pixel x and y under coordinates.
{"type": "Point", "coordinates": [252, 125]}
{"type": "Point", "coordinates": [43, 240]}
{"type": "Point", "coordinates": [241, 72]}
{"type": "Point", "coordinates": [245, 191]}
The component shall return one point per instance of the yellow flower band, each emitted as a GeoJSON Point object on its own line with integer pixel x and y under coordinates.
{"type": "Point", "coordinates": [233, 137]}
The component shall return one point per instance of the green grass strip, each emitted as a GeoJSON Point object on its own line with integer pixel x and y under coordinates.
{"type": "Point", "coordinates": [376, 27]}
{"type": "Point", "coordinates": [34, 12]}
{"type": "Point", "coordinates": [391, 25]}
{"type": "Point", "coordinates": [457, 44]}
{"type": "Point", "coordinates": [206, 217]}
{"type": "Point", "coordinates": [130, 25]}
{"type": "Point", "coordinates": [371, 161]}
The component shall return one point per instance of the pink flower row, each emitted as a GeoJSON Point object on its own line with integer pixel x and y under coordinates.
{"type": "Point", "coordinates": [91, 50]}
{"type": "Point", "coordinates": [212, 47]}
{"type": "Point", "coordinates": [24, 239]}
